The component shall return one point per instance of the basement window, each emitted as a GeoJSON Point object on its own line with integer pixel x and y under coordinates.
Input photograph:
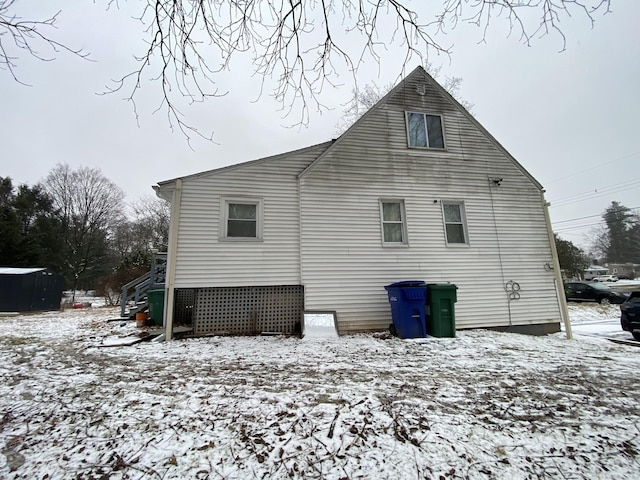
{"type": "Point", "coordinates": [424, 130]}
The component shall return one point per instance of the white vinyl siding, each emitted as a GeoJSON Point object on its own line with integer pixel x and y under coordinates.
{"type": "Point", "coordinates": [454, 223]}
{"type": "Point", "coordinates": [392, 218]}
{"type": "Point", "coordinates": [206, 259]}
{"type": "Point", "coordinates": [345, 267]}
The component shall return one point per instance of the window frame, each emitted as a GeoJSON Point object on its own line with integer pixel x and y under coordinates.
{"type": "Point", "coordinates": [224, 218]}
{"type": "Point", "coordinates": [426, 130]}
{"type": "Point", "coordinates": [402, 222]}
{"type": "Point", "coordinates": [463, 222]}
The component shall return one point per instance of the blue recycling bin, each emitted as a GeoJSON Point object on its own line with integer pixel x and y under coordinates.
{"type": "Point", "coordinates": [408, 308]}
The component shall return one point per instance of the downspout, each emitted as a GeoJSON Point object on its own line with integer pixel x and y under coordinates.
{"type": "Point", "coordinates": [300, 268]}
{"type": "Point", "coordinates": [171, 260]}
{"type": "Point", "coordinates": [558, 274]}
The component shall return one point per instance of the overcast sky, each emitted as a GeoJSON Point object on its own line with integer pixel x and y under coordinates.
{"type": "Point", "coordinates": [569, 118]}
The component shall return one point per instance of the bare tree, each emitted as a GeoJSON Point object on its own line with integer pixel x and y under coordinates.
{"type": "Point", "coordinates": [303, 44]}
{"type": "Point", "coordinates": [135, 240]}
{"type": "Point", "coordinates": [361, 101]}
{"type": "Point", "coordinates": [599, 242]}
{"type": "Point", "coordinates": [89, 206]}
{"type": "Point", "coordinates": [151, 223]}
{"type": "Point", "coordinates": [364, 98]}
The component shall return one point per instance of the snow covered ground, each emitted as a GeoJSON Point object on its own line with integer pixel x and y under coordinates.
{"type": "Point", "coordinates": [479, 406]}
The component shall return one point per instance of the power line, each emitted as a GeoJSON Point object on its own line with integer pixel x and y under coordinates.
{"type": "Point", "coordinates": [576, 227]}
{"type": "Point", "coordinates": [594, 168]}
{"type": "Point", "coordinates": [578, 218]}
{"type": "Point", "coordinates": [599, 192]}
{"type": "Point", "coordinates": [592, 216]}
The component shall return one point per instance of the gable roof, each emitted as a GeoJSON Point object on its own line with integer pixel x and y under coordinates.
{"type": "Point", "coordinates": [420, 71]}
{"type": "Point", "coordinates": [331, 145]}
{"type": "Point", "coordinates": [228, 168]}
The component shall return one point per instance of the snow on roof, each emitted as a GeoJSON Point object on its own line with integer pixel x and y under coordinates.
{"type": "Point", "coordinates": [18, 271]}
{"type": "Point", "coordinates": [596, 268]}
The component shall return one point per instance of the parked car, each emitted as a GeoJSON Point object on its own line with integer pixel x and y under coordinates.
{"type": "Point", "coordinates": [593, 292]}
{"type": "Point", "coordinates": [630, 315]}
{"type": "Point", "coordinates": [605, 278]}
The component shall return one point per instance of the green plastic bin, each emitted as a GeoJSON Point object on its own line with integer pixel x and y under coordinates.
{"type": "Point", "coordinates": [156, 306]}
{"type": "Point", "coordinates": [441, 315]}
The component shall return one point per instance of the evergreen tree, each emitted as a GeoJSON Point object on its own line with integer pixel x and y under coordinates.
{"type": "Point", "coordinates": [9, 225]}
{"type": "Point", "coordinates": [29, 229]}
{"type": "Point", "coordinates": [622, 233]}
{"type": "Point", "coordinates": [572, 259]}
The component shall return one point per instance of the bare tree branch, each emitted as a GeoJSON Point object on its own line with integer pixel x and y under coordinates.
{"type": "Point", "coordinates": [528, 18]}
{"type": "Point", "coordinates": [300, 44]}
{"type": "Point", "coordinates": [27, 36]}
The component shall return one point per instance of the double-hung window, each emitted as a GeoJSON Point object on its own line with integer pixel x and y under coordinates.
{"type": "Point", "coordinates": [454, 222]}
{"type": "Point", "coordinates": [242, 219]}
{"type": "Point", "coordinates": [424, 130]}
{"type": "Point", "coordinates": [394, 230]}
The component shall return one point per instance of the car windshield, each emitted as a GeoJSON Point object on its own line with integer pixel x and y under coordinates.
{"type": "Point", "coordinates": [599, 286]}
{"type": "Point", "coordinates": [634, 298]}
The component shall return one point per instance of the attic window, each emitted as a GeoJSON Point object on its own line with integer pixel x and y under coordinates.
{"type": "Point", "coordinates": [424, 130]}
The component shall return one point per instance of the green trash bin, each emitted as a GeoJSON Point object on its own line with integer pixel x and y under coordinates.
{"type": "Point", "coordinates": [156, 306]}
{"type": "Point", "coordinates": [441, 316]}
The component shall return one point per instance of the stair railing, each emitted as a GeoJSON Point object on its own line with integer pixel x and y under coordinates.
{"type": "Point", "coordinates": [136, 290]}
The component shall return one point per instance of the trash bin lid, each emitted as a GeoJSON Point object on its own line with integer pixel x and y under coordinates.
{"type": "Point", "coordinates": [406, 284]}
{"type": "Point", "coordinates": [442, 286]}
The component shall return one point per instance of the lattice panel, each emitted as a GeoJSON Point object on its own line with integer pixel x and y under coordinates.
{"type": "Point", "coordinates": [248, 310]}
{"type": "Point", "coordinates": [185, 301]}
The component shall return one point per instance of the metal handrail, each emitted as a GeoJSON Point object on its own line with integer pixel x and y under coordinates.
{"type": "Point", "coordinates": [136, 290]}
{"type": "Point", "coordinates": [135, 281]}
{"type": "Point", "coordinates": [131, 291]}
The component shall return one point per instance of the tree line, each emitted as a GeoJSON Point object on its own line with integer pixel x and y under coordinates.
{"type": "Point", "coordinates": [76, 222]}
{"type": "Point", "coordinates": [615, 240]}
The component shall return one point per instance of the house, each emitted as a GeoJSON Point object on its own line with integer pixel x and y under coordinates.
{"type": "Point", "coordinates": [29, 289]}
{"type": "Point", "coordinates": [629, 270]}
{"type": "Point", "coordinates": [415, 189]}
{"type": "Point", "coordinates": [594, 271]}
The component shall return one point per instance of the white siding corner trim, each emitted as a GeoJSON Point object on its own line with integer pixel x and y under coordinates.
{"type": "Point", "coordinates": [171, 259]}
